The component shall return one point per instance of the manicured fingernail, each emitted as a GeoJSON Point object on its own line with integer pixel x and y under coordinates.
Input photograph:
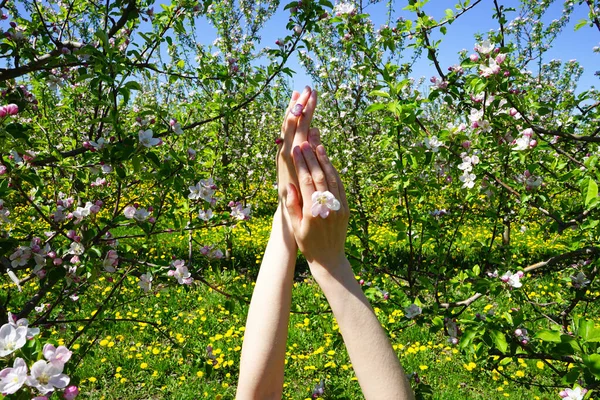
{"type": "Point", "coordinates": [297, 110]}
{"type": "Point", "coordinates": [296, 150]}
{"type": "Point", "coordinates": [306, 88]}
{"type": "Point", "coordinates": [313, 94]}
{"type": "Point", "coordinates": [321, 149]}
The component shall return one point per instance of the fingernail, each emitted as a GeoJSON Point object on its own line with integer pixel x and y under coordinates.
{"type": "Point", "coordinates": [306, 88]}
{"type": "Point", "coordinates": [321, 149]}
{"type": "Point", "coordinates": [296, 150]}
{"type": "Point", "coordinates": [313, 94]}
{"type": "Point", "coordinates": [297, 110]}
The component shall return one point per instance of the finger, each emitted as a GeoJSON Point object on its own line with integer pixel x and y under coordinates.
{"type": "Point", "coordinates": [302, 131]}
{"type": "Point", "coordinates": [336, 187]}
{"type": "Point", "coordinates": [293, 100]}
{"type": "Point", "coordinates": [329, 171]}
{"type": "Point", "coordinates": [291, 119]}
{"type": "Point", "coordinates": [292, 204]}
{"type": "Point", "coordinates": [304, 178]}
{"type": "Point", "coordinates": [317, 174]}
{"type": "Point", "coordinates": [314, 138]}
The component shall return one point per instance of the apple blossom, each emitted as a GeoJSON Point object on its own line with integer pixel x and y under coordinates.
{"type": "Point", "coordinates": [513, 280]}
{"type": "Point", "coordinates": [56, 355]}
{"type": "Point", "coordinates": [468, 180]}
{"type": "Point", "coordinates": [23, 322]}
{"type": "Point", "coordinates": [11, 339]}
{"type": "Point", "coordinates": [323, 203]}
{"type": "Point", "coordinates": [344, 8]}
{"type": "Point", "coordinates": [146, 282]}
{"type": "Point", "coordinates": [205, 215]}
{"type": "Point", "coordinates": [433, 144]}
{"type": "Point", "coordinates": [579, 281]}
{"type": "Point", "coordinates": [181, 273]}
{"type": "Point", "coordinates": [146, 138]}
{"type": "Point", "coordinates": [99, 144]}
{"type": "Point", "coordinates": [239, 212]}
{"type": "Point", "coordinates": [12, 379]}
{"type": "Point", "coordinates": [484, 47]}
{"type": "Point", "coordinates": [177, 128]}
{"type": "Point", "coordinates": [204, 189]}
{"type": "Point", "coordinates": [412, 311]}
{"type": "Point", "coordinates": [76, 249]}
{"type": "Point", "coordinates": [129, 212]}
{"type": "Point", "coordinates": [46, 377]}
{"type": "Point", "coordinates": [110, 261]}
{"type": "Point", "coordinates": [573, 394]}
{"type": "Point", "coordinates": [13, 277]}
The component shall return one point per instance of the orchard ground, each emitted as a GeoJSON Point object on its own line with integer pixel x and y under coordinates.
{"type": "Point", "coordinates": [185, 341]}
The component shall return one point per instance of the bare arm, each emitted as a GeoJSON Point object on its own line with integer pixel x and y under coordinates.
{"type": "Point", "coordinates": [322, 240]}
{"type": "Point", "coordinates": [263, 350]}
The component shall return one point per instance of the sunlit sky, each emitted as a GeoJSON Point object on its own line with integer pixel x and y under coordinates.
{"type": "Point", "coordinates": [460, 35]}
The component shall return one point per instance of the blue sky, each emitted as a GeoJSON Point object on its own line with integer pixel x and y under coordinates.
{"type": "Point", "coordinates": [460, 35]}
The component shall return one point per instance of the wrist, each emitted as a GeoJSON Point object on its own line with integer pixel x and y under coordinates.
{"type": "Point", "coordinates": [335, 267]}
{"type": "Point", "coordinates": [281, 229]}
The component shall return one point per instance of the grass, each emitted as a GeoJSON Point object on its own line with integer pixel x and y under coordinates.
{"type": "Point", "coordinates": [155, 346]}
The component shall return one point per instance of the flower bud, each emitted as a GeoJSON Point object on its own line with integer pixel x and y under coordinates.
{"type": "Point", "coordinates": [12, 109]}
{"type": "Point", "coordinates": [518, 332]}
{"type": "Point", "coordinates": [57, 261]}
{"type": "Point", "coordinates": [71, 234]}
{"type": "Point", "coordinates": [151, 220]}
{"type": "Point", "coordinates": [474, 57]}
{"type": "Point", "coordinates": [75, 260]}
{"type": "Point", "coordinates": [71, 392]}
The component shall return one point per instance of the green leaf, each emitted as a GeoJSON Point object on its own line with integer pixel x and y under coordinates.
{"type": "Point", "coordinates": [374, 107]}
{"type": "Point", "coordinates": [467, 338]}
{"type": "Point", "coordinates": [380, 93]}
{"type": "Point", "coordinates": [593, 363]}
{"type": "Point", "coordinates": [588, 331]}
{"type": "Point", "coordinates": [580, 24]}
{"type": "Point", "coordinates": [547, 335]}
{"type": "Point", "coordinates": [592, 192]}
{"type": "Point", "coordinates": [499, 340]}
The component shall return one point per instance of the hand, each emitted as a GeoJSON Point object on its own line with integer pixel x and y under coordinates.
{"type": "Point", "coordinates": [295, 130]}
{"type": "Point", "coordinates": [321, 240]}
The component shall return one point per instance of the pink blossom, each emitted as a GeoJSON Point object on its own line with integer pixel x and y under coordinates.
{"type": "Point", "coordinates": [12, 109]}
{"type": "Point", "coordinates": [71, 392]}
{"type": "Point", "coordinates": [56, 355]}
{"type": "Point", "coordinates": [323, 203]}
{"type": "Point", "coordinates": [474, 57]}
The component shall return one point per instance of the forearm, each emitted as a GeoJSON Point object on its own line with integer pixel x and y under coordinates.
{"type": "Point", "coordinates": [376, 365]}
{"type": "Point", "coordinates": [263, 350]}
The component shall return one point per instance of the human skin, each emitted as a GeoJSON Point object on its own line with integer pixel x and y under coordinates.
{"type": "Point", "coordinates": [322, 240]}
{"type": "Point", "coordinates": [263, 350]}
{"type": "Point", "coordinates": [303, 167]}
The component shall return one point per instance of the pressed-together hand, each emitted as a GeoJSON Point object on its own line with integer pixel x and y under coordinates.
{"type": "Point", "coordinates": [319, 221]}
{"type": "Point", "coordinates": [295, 130]}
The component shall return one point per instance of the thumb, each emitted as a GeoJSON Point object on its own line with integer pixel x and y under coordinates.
{"type": "Point", "coordinates": [292, 204]}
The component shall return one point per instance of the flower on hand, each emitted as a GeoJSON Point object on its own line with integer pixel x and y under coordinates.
{"type": "Point", "coordinates": [323, 202]}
